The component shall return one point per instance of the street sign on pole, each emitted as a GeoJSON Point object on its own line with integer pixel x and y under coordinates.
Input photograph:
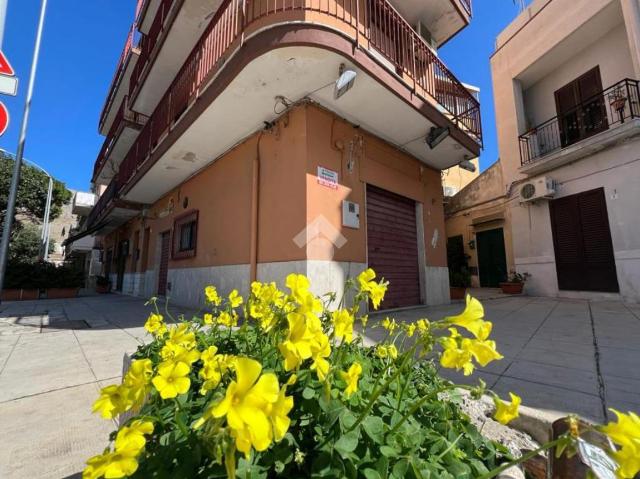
{"type": "Point", "coordinates": [8, 80]}
{"type": "Point", "coordinates": [4, 118]}
{"type": "Point", "coordinates": [5, 66]}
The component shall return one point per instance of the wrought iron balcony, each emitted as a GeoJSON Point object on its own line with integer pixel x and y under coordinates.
{"type": "Point", "coordinates": [612, 106]}
{"type": "Point", "coordinates": [105, 200]}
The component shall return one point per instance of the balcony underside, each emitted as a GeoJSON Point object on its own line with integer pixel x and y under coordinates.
{"type": "Point", "coordinates": [183, 28]}
{"type": "Point", "coordinates": [115, 216]}
{"type": "Point", "coordinates": [293, 61]}
{"type": "Point", "coordinates": [443, 18]}
{"type": "Point", "coordinates": [117, 152]}
{"type": "Point", "coordinates": [121, 90]}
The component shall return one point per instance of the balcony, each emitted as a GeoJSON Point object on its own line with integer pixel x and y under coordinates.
{"type": "Point", "coordinates": [110, 211]}
{"type": "Point", "coordinates": [593, 124]}
{"type": "Point", "coordinates": [288, 48]}
{"type": "Point", "coordinates": [170, 30]}
{"type": "Point", "coordinates": [83, 203]}
{"type": "Point", "coordinates": [120, 83]}
{"type": "Point", "coordinates": [122, 134]}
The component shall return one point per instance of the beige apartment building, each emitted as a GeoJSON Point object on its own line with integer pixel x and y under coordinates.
{"type": "Point", "coordinates": [247, 139]}
{"type": "Point", "coordinates": [567, 188]}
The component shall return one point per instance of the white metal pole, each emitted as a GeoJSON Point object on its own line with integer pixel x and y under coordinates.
{"type": "Point", "coordinates": [46, 226]}
{"type": "Point", "coordinates": [3, 19]}
{"type": "Point", "coordinates": [15, 180]}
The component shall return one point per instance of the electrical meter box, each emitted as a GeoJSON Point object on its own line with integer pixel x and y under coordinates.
{"type": "Point", "coordinates": [350, 214]}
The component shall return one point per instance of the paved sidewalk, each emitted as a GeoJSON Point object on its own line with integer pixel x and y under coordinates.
{"type": "Point", "coordinates": [55, 355]}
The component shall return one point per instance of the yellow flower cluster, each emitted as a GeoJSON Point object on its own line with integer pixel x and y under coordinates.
{"type": "Point", "coordinates": [625, 433]}
{"type": "Point", "coordinates": [351, 377]}
{"type": "Point", "coordinates": [255, 407]}
{"type": "Point", "coordinates": [178, 354]}
{"type": "Point", "coordinates": [121, 462]}
{"type": "Point", "coordinates": [459, 352]}
{"type": "Point", "coordinates": [265, 296]}
{"type": "Point", "coordinates": [155, 325]}
{"type": "Point", "coordinates": [214, 367]}
{"type": "Point", "coordinates": [375, 291]}
{"type": "Point", "coordinates": [343, 325]}
{"type": "Point", "coordinates": [387, 351]}
{"type": "Point", "coordinates": [118, 398]}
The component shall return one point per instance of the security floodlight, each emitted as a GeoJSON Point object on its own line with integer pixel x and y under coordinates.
{"type": "Point", "coordinates": [436, 136]}
{"type": "Point", "coordinates": [344, 82]}
{"type": "Point", "coordinates": [467, 165]}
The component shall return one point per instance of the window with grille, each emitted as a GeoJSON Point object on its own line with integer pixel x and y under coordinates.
{"type": "Point", "coordinates": [185, 235]}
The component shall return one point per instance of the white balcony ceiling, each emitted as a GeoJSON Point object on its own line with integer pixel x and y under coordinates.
{"type": "Point", "coordinates": [293, 72]}
{"type": "Point", "coordinates": [118, 151]}
{"type": "Point", "coordinates": [186, 30]}
{"type": "Point", "coordinates": [441, 17]}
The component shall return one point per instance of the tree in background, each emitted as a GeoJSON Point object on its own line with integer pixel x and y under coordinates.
{"type": "Point", "coordinates": [32, 191]}
{"type": "Point", "coordinates": [25, 244]}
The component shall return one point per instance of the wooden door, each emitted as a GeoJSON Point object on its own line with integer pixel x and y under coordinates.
{"type": "Point", "coordinates": [392, 245]}
{"type": "Point", "coordinates": [492, 259]}
{"type": "Point", "coordinates": [582, 243]}
{"type": "Point", "coordinates": [581, 108]}
{"type": "Point", "coordinates": [163, 270]}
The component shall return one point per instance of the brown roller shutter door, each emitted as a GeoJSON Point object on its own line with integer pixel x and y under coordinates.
{"type": "Point", "coordinates": [392, 244]}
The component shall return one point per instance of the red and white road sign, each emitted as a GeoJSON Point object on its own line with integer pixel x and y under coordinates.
{"type": "Point", "coordinates": [5, 66]}
{"type": "Point", "coordinates": [4, 118]}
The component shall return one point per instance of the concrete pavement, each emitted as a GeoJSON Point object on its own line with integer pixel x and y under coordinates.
{"type": "Point", "coordinates": [55, 355]}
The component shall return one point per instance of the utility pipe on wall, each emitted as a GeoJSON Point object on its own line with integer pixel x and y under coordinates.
{"type": "Point", "coordinates": [255, 198]}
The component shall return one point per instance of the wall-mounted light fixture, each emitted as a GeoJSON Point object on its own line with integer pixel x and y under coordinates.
{"type": "Point", "coordinates": [436, 136]}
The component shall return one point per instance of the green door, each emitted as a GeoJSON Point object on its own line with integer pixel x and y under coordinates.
{"type": "Point", "coordinates": [492, 261]}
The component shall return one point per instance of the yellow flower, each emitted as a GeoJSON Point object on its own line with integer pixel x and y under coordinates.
{"type": "Point", "coordinates": [212, 296]}
{"type": "Point", "coordinates": [342, 324]}
{"type": "Point", "coordinates": [423, 326]}
{"type": "Point", "coordinates": [208, 318]}
{"type": "Point", "coordinates": [297, 347]}
{"type": "Point", "coordinates": [506, 412]}
{"type": "Point", "coordinates": [111, 465]}
{"type": "Point", "coordinates": [454, 356]}
{"type": "Point", "coordinates": [215, 365]}
{"type": "Point", "coordinates": [389, 351]}
{"type": "Point", "coordinates": [471, 319]}
{"type": "Point", "coordinates": [113, 400]}
{"type": "Point", "coordinates": [483, 351]}
{"type": "Point", "coordinates": [172, 379]}
{"type": "Point", "coordinates": [131, 437]}
{"type": "Point", "coordinates": [265, 297]}
{"type": "Point", "coordinates": [351, 378]}
{"type": "Point", "coordinates": [626, 434]}
{"type": "Point", "coordinates": [411, 330]}
{"type": "Point", "coordinates": [175, 353]}
{"type": "Point", "coordinates": [299, 286]}
{"type": "Point", "coordinates": [389, 324]}
{"type": "Point", "coordinates": [245, 405]}
{"type": "Point", "coordinates": [136, 381]}
{"type": "Point", "coordinates": [235, 299]}
{"type": "Point", "coordinates": [155, 325]}
{"type": "Point", "coordinates": [278, 414]}
{"type": "Point", "coordinates": [292, 380]}
{"type": "Point", "coordinates": [364, 320]}
{"type": "Point", "coordinates": [181, 336]}
{"type": "Point", "coordinates": [375, 291]}
{"type": "Point", "coordinates": [320, 350]}
{"type": "Point", "coordinates": [228, 320]}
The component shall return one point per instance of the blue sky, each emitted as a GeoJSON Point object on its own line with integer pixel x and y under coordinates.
{"type": "Point", "coordinates": [83, 40]}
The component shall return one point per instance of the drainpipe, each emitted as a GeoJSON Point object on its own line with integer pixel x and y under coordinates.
{"type": "Point", "coordinates": [255, 196]}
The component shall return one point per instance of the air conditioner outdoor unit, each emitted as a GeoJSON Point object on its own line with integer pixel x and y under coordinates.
{"type": "Point", "coordinates": [542, 188]}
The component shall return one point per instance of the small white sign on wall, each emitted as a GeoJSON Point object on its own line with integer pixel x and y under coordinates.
{"type": "Point", "coordinates": [327, 177]}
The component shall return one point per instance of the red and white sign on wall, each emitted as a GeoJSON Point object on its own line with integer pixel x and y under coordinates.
{"type": "Point", "coordinates": [327, 177]}
{"type": "Point", "coordinates": [8, 86]}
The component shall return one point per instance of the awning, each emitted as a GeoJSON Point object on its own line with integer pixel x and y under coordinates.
{"type": "Point", "coordinates": [87, 232]}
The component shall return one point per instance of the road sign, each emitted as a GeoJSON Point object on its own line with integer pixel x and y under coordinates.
{"type": "Point", "coordinates": [4, 118]}
{"type": "Point", "coordinates": [8, 80]}
{"type": "Point", "coordinates": [5, 66]}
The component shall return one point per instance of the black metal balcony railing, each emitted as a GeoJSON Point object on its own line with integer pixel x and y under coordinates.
{"type": "Point", "coordinates": [596, 114]}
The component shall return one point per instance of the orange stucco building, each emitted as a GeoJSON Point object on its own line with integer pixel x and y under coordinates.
{"type": "Point", "coordinates": [236, 156]}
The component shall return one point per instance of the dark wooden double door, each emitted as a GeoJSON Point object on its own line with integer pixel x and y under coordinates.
{"type": "Point", "coordinates": [582, 243]}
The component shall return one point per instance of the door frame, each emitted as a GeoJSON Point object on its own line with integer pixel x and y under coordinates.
{"type": "Point", "coordinates": [506, 264]}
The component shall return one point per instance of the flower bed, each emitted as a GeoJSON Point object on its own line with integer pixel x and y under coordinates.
{"type": "Point", "coordinates": [293, 392]}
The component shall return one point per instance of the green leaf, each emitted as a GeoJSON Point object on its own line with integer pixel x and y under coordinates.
{"type": "Point", "coordinates": [400, 468]}
{"type": "Point", "coordinates": [308, 393]}
{"type": "Point", "coordinates": [347, 443]}
{"type": "Point", "coordinates": [389, 451]}
{"type": "Point", "coordinates": [347, 420]}
{"type": "Point", "coordinates": [374, 427]}
{"type": "Point", "coordinates": [371, 474]}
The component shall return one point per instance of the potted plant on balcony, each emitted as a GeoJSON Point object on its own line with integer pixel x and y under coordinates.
{"type": "Point", "coordinates": [618, 101]}
{"type": "Point", "coordinates": [459, 281]}
{"type": "Point", "coordinates": [103, 285]}
{"type": "Point", "coordinates": [63, 282]}
{"type": "Point", "coordinates": [515, 283]}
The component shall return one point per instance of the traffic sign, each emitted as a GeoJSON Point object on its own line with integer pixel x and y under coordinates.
{"type": "Point", "coordinates": [4, 118]}
{"type": "Point", "coordinates": [5, 66]}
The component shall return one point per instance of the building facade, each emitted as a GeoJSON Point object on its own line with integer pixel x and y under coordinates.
{"type": "Point", "coordinates": [249, 139]}
{"type": "Point", "coordinates": [565, 77]}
